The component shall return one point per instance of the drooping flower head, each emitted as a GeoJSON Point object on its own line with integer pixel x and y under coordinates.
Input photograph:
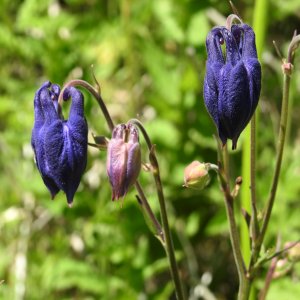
{"type": "Point", "coordinates": [123, 159]}
{"type": "Point", "coordinates": [233, 79]}
{"type": "Point", "coordinates": [60, 146]}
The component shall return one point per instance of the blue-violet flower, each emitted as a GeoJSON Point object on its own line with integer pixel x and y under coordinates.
{"type": "Point", "coordinates": [60, 146]}
{"type": "Point", "coordinates": [233, 80]}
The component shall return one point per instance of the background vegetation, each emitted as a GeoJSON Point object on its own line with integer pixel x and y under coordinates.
{"type": "Point", "coordinates": [149, 57]}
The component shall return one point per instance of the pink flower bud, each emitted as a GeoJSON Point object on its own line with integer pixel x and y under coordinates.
{"type": "Point", "coordinates": [196, 175]}
{"type": "Point", "coordinates": [293, 253]}
{"type": "Point", "coordinates": [123, 159]}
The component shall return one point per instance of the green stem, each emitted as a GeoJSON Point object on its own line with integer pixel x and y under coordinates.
{"type": "Point", "coordinates": [260, 19]}
{"type": "Point", "coordinates": [244, 282]}
{"type": "Point", "coordinates": [169, 242]}
{"type": "Point", "coordinates": [260, 22]}
{"type": "Point", "coordinates": [226, 164]}
{"type": "Point", "coordinates": [244, 289]}
{"type": "Point", "coordinates": [254, 221]}
{"type": "Point", "coordinates": [248, 197]}
{"type": "Point", "coordinates": [246, 193]}
{"type": "Point", "coordinates": [249, 148]}
{"type": "Point", "coordinates": [252, 166]}
{"type": "Point", "coordinates": [164, 216]}
{"type": "Point", "coordinates": [146, 206]}
{"type": "Point", "coordinates": [234, 238]}
{"type": "Point", "coordinates": [260, 27]}
{"type": "Point", "coordinates": [280, 147]}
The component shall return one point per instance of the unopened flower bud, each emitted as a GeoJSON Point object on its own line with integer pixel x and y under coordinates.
{"type": "Point", "coordinates": [196, 175]}
{"type": "Point", "coordinates": [123, 159]}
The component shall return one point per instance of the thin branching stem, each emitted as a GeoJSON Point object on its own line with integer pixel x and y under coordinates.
{"type": "Point", "coordinates": [163, 211]}
{"type": "Point", "coordinates": [244, 281]}
{"type": "Point", "coordinates": [276, 254]}
{"type": "Point", "coordinates": [146, 206]}
{"type": "Point", "coordinates": [269, 277]}
{"type": "Point", "coordinates": [254, 228]}
{"type": "Point", "coordinates": [280, 148]}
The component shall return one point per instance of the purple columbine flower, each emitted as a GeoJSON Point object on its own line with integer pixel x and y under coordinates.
{"type": "Point", "coordinates": [232, 82]}
{"type": "Point", "coordinates": [123, 159]}
{"type": "Point", "coordinates": [60, 146]}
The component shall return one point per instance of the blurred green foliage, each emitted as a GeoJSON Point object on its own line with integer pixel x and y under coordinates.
{"type": "Point", "coordinates": [149, 57]}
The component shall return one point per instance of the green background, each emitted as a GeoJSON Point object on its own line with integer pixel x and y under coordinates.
{"type": "Point", "coordinates": [149, 57]}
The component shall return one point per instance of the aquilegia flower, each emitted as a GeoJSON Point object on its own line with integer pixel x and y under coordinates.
{"type": "Point", "coordinates": [232, 82]}
{"type": "Point", "coordinates": [123, 159]}
{"type": "Point", "coordinates": [60, 146]}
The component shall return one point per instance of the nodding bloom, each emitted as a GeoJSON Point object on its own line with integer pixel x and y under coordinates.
{"type": "Point", "coordinates": [232, 81]}
{"type": "Point", "coordinates": [123, 159]}
{"type": "Point", "coordinates": [60, 146]}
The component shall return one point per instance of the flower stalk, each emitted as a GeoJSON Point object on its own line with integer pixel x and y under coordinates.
{"type": "Point", "coordinates": [244, 280]}
{"type": "Point", "coordinates": [95, 93]}
{"type": "Point", "coordinates": [280, 148]}
{"type": "Point", "coordinates": [145, 205]}
{"type": "Point", "coordinates": [254, 227]}
{"type": "Point", "coordinates": [169, 247]}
